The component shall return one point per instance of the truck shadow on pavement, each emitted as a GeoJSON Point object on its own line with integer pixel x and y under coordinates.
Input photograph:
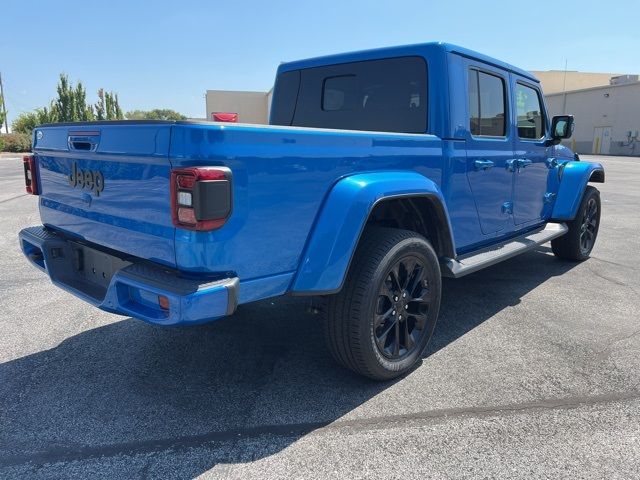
{"type": "Point", "coordinates": [205, 395]}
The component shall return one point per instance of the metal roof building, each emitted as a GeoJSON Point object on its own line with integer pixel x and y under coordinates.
{"type": "Point", "coordinates": [607, 116]}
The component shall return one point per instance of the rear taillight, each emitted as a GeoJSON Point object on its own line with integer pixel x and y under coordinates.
{"type": "Point", "coordinates": [200, 197]}
{"type": "Point", "coordinates": [30, 174]}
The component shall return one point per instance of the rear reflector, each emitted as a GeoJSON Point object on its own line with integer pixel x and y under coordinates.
{"type": "Point", "coordinates": [200, 197]}
{"type": "Point", "coordinates": [187, 216]}
{"type": "Point", "coordinates": [30, 174]}
{"type": "Point", "coordinates": [163, 302]}
{"type": "Point", "coordinates": [224, 117]}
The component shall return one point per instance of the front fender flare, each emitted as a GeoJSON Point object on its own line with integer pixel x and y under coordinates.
{"type": "Point", "coordinates": [575, 176]}
{"type": "Point", "coordinates": [342, 218]}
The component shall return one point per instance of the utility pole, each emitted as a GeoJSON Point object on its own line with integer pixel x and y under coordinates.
{"type": "Point", "coordinates": [4, 108]}
{"type": "Point", "coordinates": [564, 88]}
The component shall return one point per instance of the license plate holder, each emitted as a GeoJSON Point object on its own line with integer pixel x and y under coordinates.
{"type": "Point", "coordinates": [94, 266]}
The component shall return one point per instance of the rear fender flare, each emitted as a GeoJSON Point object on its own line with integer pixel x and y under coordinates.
{"type": "Point", "coordinates": [575, 177]}
{"type": "Point", "coordinates": [341, 220]}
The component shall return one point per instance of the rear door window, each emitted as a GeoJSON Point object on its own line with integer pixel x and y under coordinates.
{"type": "Point", "coordinates": [388, 95]}
{"type": "Point", "coordinates": [486, 104]}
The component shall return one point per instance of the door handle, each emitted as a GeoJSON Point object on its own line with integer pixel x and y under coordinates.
{"type": "Point", "coordinates": [523, 162]}
{"type": "Point", "coordinates": [515, 164]}
{"type": "Point", "coordinates": [482, 164]}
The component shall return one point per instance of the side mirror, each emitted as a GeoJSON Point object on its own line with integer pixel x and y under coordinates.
{"type": "Point", "coordinates": [561, 127]}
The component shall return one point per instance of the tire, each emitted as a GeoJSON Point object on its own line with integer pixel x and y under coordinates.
{"type": "Point", "coordinates": [578, 242]}
{"type": "Point", "coordinates": [371, 303]}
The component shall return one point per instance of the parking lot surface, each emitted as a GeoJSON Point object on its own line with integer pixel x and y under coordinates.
{"type": "Point", "coordinates": [534, 371]}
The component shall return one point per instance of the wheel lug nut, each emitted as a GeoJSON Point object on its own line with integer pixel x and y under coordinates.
{"type": "Point", "coordinates": [399, 317]}
{"type": "Point", "coordinates": [395, 299]}
{"type": "Point", "coordinates": [404, 295]}
{"type": "Point", "coordinates": [393, 313]}
{"type": "Point", "coordinates": [406, 307]}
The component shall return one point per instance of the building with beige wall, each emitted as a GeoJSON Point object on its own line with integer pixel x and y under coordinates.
{"type": "Point", "coordinates": [556, 81]}
{"type": "Point", "coordinates": [607, 117]}
{"type": "Point", "coordinates": [251, 107]}
{"type": "Point", "coordinates": [606, 107]}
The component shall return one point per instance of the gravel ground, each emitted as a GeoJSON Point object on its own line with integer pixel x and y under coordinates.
{"type": "Point", "coordinates": [534, 371]}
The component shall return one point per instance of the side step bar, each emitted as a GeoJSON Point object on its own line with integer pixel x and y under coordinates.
{"type": "Point", "coordinates": [472, 262]}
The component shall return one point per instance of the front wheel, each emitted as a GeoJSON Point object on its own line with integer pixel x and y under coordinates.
{"type": "Point", "coordinates": [578, 242]}
{"type": "Point", "coordinates": [381, 321]}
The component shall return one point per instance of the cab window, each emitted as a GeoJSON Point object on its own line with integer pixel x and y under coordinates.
{"type": "Point", "coordinates": [529, 112]}
{"type": "Point", "coordinates": [387, 95]}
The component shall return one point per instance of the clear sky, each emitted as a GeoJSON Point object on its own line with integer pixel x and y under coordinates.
{"type": "Point", "coordinates": [166, 54]}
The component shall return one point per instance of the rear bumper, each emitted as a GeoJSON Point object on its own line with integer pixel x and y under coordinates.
{"type": "Point", "coordinates": [134, 288]}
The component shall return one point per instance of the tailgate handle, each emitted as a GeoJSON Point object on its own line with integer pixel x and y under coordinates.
{"type": "Point", "coordinates": [79, 145]}
{"type": "Point", "coordinates": [86, 141]}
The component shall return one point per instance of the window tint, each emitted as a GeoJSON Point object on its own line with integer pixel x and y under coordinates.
{"type": "Point", "coordinates": [285, 93]}
{"type": "Point", "coordinates": [529, 112]}
{"type": "Point", "coordinates": [340, 93]}
{"type": "Point", "coordinates": [377, 95]}
{"type": "Point", "coordinates": [486, 104]}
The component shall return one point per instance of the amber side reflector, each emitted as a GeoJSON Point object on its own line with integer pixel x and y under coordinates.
{"type": "Point", "coordinates": [163, 302]}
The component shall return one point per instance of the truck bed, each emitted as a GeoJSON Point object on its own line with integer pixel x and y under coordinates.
{"type": "Point", "coordinates": [281, 176]}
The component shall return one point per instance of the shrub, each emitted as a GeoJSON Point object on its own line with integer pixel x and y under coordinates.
{"type": "Point", "coordinates": [25, 123]}
{"type": "Point", "coordinates": [16, 142]}
{"type": "Point", "coordinates": [1, 145]}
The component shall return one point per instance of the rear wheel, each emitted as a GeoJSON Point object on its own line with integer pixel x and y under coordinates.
{"type": "Point", "coordinates": [381, 322]}
{"type": "Point", "coordinates": [578, 242]}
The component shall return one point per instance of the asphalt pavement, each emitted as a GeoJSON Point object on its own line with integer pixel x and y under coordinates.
{"type": "Point", "coordinates": [533, 372]}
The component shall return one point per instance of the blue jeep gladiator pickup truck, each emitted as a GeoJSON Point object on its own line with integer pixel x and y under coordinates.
{"type": "Point", "coordinates": [380, 172]}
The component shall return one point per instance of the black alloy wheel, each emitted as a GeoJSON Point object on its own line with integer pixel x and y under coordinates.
{"type": "Point", "coordinates": [578, 242]}
{"type": "Point", "coordinates": [402, 312]}
{"type": "Point", "coordinates": [589, 227]}
{"type": "Point", "coordinates": [380, 322]}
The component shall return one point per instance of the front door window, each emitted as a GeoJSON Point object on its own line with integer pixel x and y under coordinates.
{"type": "Point", "coordinates": [530, 171]}
{"type": "Point", "coordinates": [529, 113]}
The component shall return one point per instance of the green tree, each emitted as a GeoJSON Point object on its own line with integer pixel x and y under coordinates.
{"type": "Point", "coordinates": [65, 105]}
{"type": "Point", "coordinates": [99, 107]}
{"type": "Point", "coordinates": [83, 111]}
{"type": "Point", "coordinates": [46, 115]}
{"type": "Point", "coordinates": [155, 114]}
{"type": "Point", "coordinates": [71, 105]}
{"type": "Point", "coordinates": [112, 107]}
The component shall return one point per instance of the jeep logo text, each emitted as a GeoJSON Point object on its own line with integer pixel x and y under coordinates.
{"type": "Point", "coordinates": [92, 180]}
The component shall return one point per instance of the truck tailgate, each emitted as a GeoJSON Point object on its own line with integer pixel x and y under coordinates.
{"type": "Point", "coordinates": [108, 183]}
